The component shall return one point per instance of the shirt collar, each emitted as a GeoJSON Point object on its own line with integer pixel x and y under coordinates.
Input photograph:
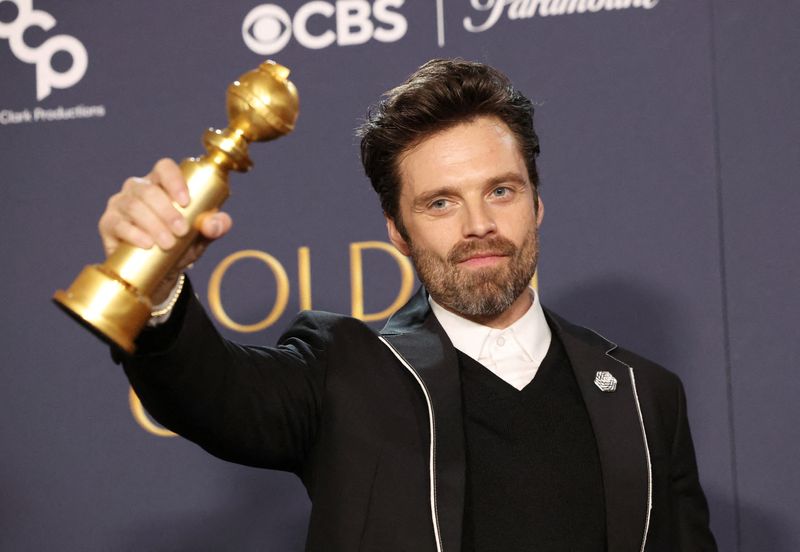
{"type": "Point", "coordinates": [530, 331]}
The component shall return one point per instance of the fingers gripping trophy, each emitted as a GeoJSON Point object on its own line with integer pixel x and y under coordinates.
{"type": "Point", "coordinates": [114, 299]}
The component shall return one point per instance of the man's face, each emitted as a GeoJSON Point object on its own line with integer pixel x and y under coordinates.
{"type": "Point", "coordinates": [470, 218]}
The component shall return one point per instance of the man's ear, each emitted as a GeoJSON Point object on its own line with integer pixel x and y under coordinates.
{"type": "Point", "coordinates": [396, 237]}
{"type": "Point", "coordinates": [539, 211]}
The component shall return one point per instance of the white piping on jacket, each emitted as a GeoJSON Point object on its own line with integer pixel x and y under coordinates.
{"type": "Point", "coordinates": [647, 455]}
{"type": "Point", "coordinates": [644, 437]}
{"type": "Point", "coordinates": [432, 461]}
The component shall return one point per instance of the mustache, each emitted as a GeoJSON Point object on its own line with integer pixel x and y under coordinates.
{"type": "Point", "coordinates": [496, 245]}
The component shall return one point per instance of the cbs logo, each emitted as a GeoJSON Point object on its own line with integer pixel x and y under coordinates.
{"type": "Point", "coordinates": [268, 28]}
{"type": "Point", "coordinates": [47, 77]}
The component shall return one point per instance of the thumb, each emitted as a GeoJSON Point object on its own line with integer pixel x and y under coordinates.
{"type": "Point", "coordinates": [215, 225]}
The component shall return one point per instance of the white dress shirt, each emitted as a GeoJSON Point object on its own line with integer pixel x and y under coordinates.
{"type": "Point", "coordinates": [513, 354]}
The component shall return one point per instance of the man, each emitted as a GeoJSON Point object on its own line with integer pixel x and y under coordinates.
{"type": "Point", "coordinates": [475, 420]}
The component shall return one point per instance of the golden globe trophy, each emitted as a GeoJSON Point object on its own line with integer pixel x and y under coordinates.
{"type": "Point", "coordinates": [112, 299]}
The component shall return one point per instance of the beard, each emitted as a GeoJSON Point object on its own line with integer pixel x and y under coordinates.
{"type": "Point", "coordinates": [481, 293]}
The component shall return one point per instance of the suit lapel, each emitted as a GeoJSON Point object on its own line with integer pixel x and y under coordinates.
{"type": "Point", "coordinates": [416, 335]}
{"type": "Point", "coordinates": [618, 430]}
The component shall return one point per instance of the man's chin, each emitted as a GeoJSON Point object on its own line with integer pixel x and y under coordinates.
{"type": "Point", "coordinates": [493, 277]}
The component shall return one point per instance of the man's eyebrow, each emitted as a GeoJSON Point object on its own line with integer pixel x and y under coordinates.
{"type": "Point", "coordinates": [510, 176]}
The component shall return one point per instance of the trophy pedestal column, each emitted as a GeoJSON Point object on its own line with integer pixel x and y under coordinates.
{"type": "Point", "coordinates": [106, 306]}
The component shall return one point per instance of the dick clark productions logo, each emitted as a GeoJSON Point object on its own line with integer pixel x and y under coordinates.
{"type": "Point", "coordinates": [47, 77]}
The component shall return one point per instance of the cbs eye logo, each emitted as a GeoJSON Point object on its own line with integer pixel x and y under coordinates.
{"type": "Point", "coordinates": [47, 77]}
{"type": "Point", "coordinates": [268, 28]}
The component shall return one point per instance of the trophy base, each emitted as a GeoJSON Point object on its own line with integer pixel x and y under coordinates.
{"type": "Point", "coordinates": [108, 307]}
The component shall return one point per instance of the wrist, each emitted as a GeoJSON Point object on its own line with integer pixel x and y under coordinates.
{"type": "Point", "coordinates": [162, 309]}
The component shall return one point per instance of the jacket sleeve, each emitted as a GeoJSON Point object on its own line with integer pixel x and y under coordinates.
{"type": "Point", "coordinates": [257, 406]}
{"type": "Point", "coordinates": [687, 501]}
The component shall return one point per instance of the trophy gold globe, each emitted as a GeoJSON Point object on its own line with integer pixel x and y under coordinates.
{"type": "Point", "coordinates": [112, 299]}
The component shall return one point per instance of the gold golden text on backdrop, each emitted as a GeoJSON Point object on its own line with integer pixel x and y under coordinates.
{"type": "Point", "coordinates": [283, 286]}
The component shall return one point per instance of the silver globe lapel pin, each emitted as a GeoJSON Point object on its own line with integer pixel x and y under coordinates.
{"type": "Point", "coordinates": [605, 382]}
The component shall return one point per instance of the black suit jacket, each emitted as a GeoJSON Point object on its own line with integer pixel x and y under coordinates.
{"type": "Point", "coordinates": [372, 424]}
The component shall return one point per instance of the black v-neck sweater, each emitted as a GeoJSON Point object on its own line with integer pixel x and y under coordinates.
{"type": "Point", "coordinates": [533, 473]}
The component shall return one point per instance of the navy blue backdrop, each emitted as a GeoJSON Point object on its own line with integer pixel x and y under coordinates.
{"type": "Point", "coordinates": [669, 164]}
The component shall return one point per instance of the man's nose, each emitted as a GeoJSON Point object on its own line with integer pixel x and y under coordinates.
{"type": "Point", "coordinates": [478, 221]}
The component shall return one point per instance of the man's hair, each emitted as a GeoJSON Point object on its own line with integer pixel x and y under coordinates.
{"type": "Point", "coordinates": [439, 95]}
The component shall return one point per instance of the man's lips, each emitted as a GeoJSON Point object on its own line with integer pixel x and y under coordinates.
{"type": "Point", "coordinates": [483, 259]}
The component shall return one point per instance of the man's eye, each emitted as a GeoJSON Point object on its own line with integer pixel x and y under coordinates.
{"type": "Point", "coordinates": [501, 192]}
{"type": "Point", "coordinates": [439, 204]}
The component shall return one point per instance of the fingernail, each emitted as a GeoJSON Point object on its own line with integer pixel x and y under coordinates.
{"type": "Point", "coordinates": [183, 198]}
{"type": "Point", "coordinates": [215, 227]}
{"type": "Point", "coordinates": [180, 227]}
